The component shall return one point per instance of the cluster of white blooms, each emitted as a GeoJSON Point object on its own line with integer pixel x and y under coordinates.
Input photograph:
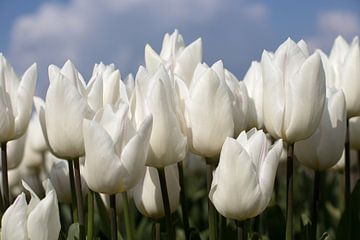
{"type": "Point", "coordinates": [123, 129]}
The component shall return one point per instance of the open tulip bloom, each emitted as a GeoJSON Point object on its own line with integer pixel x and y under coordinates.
{"type": "Point", "coordinates": [243, 181]}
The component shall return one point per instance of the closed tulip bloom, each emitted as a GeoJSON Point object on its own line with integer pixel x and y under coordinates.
{"type": "Point", "coordinates": [63, 112]}
{"type": "Point", "coordinates": [209, 111]}
{"type": "Point", "coordinates": [15, 100]}
{"type": "Point", "coordinates": [323, 149]}
{"type": "Point", "coordinates": [37, 220]}
{"type": "Point", "coordinates": [343, 72]}
{"type": "Point", "coordinates": [155, 94]}
{"type": "Point", "coordinates": [175, 56]}
{"type": "Point", "coordinates": [105, 87]}
{"type": "Point", "coordinates": [254, 84]}
{"type": "Point", "coordinates": [147, 193]}
{"type": "Point", "coordinates": [244, 179]}
{"type": "Point", "coordinates": [115, 150]}
{"type": "Point", "coordinates": [294, 92]}
{"type": "Point", "coordinates": [59, 177]}
{"type": "Point", "coordinates": [354, 132]}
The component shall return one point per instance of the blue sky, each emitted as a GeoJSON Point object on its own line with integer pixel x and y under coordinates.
{"type": "Point", "coordinates": [112, 31]}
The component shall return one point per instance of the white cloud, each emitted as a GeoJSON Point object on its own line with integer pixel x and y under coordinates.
{"type": "Point", "coordinates": [332, 23]}
{"type": "Point", "coordinates": [89, 31]}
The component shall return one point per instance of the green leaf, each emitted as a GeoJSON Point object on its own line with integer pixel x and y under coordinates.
{"type": "Point", "coordinates": [73, 233]}
{"type": "Point", "coordinates": [104, 220]}
{"type": "Point", "coordinates": [350, 220]}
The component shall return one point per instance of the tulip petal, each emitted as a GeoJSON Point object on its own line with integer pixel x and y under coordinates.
{"type": "Point", "coordinates": [44, 220]}
{"type": "Point", "coordinates": [101, 160]}
{"type": "Point", "coordinates": [235, 199]}
{"type": "Point", "coordinates": [188, 60]}
{"type": "Point", "coordinates": [135, 153]}
{"type": "Point", "coordinates": [274, 99]}
{"type": "Point", "coordinates": [7, 116]}
{"type": "Point", "coordinates": [13, 222]}
{"type": "Point", "coordinates": [65, 110]}
{"type": "Point", "coordinates": [152, 59]}
{"type": "Point", "coordinates": [24, 101]}
{"type": "Point", "coordinates": [302, 116]}
{"type": "Point", "coordinates": [210, 113]}
{"type": "Point", "coordinates": [95, 95]}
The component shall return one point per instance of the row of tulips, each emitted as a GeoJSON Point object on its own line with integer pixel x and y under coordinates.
{"type": "Point", "coordinates": [111, 135]}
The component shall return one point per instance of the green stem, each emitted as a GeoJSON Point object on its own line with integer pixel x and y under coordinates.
{"type": "Point", "coordinates": [241, 230]}
{"type": "Point", "coordinates": [90, 219]}
{"type": "Point", "coordinates": [166, 203]}
{"type": "Point", "coordinates": [113, 216]}
{"type": "Point", "coordinates": [347, 166]}
{"type": "Point", "coordinates": [156, 231]}
{"type": "Point", "coordinates": [211, 208]}
{"type": "Point", "coordinates": [5, 182]}
{"type": "Point", "coordinates": [79, 198]}
{"type": "Point", "coordinates": [316, 195]}
{"type": "Point", "coordinates": [222, 230]}
{"type": "Point", "coordinates": [73, 192]}
{"type": "Point", "coordinates": [289, 193]}
{"type": "Point", "coordinates": [128, 225]}
{"type": "Point", "coordinates": [358, 156]}
{"type": "Point", "coordinates": [184, 209]}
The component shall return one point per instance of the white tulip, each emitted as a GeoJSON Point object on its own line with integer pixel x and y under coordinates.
{"type": "Point", "coordinates": [209, 111]}
{"type": "Point", "coordinates": [15, 152]}
{"type": "Point", "coordinates": [15, 100]}
{"type": "Point", "coordinates": [323, 149]}
{"type": "Point", "coordinates": [179, 59]}
{"type": "Point", "coordinates": [147, 193]}
{"type": "Point", "coordinates": [114, 150]}
{"type": "Point", "coordinates": [254, 84]}
{"type": "Point", "coordinates": [243, 181]}
{"type": "Point", "coordinates": [354, 132]}
{"type": "Point", "coordinates": [343, 72]}
{"type": "Point", "coordinates": [62, 114]}
{"type": "Point", "coordinates": [294, 92]}
{"type": "Point", "coordinates": [37, 220]}
{"type": "Point", "coordinates": [155, 94]}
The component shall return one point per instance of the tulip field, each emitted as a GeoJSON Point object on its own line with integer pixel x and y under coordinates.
{"type": "Point", "coordinates": [185, 149]}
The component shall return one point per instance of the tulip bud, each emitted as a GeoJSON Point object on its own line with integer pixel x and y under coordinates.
{"type": "Point", "coordinates": [243, 181]}
{"type": "Point", "coordinates": [15, 100]}
{"type": "Point", "coordinates": [209, 111]}
{"type": "Point", "coordinates": [147, 193]}
{"type": "Point", "coordinates": [294, 92]}
{"type": "Point", "coordinates": [323, 149]}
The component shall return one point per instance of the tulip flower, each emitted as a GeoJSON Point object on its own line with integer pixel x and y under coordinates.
{"type": "Point", "coordinates": [154, 94]}
{"type": "Point", "coordinates": [37, 220]}
{"type": "Point", "coordinates": [115, 150]}
{"type": "Point", "coordinates": [63, 111]}
{"type": "Point", "coordinates": [254, 84]}
{"type": "Point", "coordinates": [243, 181]}
{"type": "Point", "coordinates": [59, 177]}
{"type": "Point", "coordinates": [181, 60]}
{"type": "Point", "coordinates": [105, 87]}
{"type": "Point", "coordinates": [147, 193]}
{"type": "Point", "coordinates": [15, 99]}
{"type": "Point", "coordinates": [323, 149]}
{"type": "Point", "coordinates": [293, 83]}
{"type": "Point", "coordinates": [209, 111]}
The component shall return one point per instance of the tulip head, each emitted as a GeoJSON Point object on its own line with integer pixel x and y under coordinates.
{"type": "Point", "coordinates": [15, 100]}
{"type": "Point", "coordinates": [147, 193]}
{"type": "Point", "coordinates": [323, 149]}
{"type": "Point", "coordinates": [293, 83]}
{"type": "Point", "coordinates": [243, 181]}
{"type": "Point", "coordinates": [209, 111]}
{"type": "Point", "coordinates": [115, 150]}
